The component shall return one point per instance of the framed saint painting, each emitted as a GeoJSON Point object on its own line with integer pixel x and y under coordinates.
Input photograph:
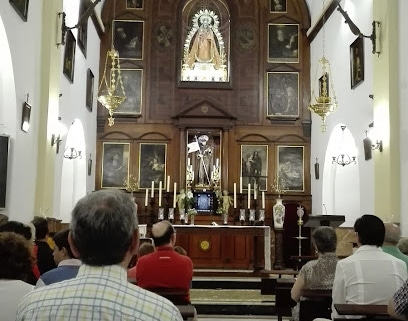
{"type": "Point", "coordinates": [283, 43]}
{"type": "Point", "coordinates": [132, 80]}
{"type": "Point", "coordinates": [290, 168]}
{"type": "Point", "coordinates": [128, 39]}
{"type": "Point", "coordinates": [283, 94]}
{"type": "Point", "coordinates": [152, 164]}
{"type": "Point", "coordinates": [254, 166]}
{"type": "Point", "coordinates": [357, 62]}
{"type": "Point", "coordinates": [69, 57]}
{"type": "Point", "coordinates": [115, 164]}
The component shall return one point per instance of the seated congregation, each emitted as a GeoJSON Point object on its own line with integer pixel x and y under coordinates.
{"type": "Point", "coordinates": [91, 278]}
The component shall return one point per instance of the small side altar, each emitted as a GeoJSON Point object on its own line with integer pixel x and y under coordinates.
{"type": "Point", "coordinates": [226, 246]}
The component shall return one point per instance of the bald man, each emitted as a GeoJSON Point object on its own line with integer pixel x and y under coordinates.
{"type": "Point", "coordinates": [165, 268]}
{"type": "Point", "coordinates": [392, 236]}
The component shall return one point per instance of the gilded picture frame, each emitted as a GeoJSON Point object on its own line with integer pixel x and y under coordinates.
{"type": "Point", "coordinates": [254, 166]}
{"type": "Point", "coordinates": [115, 164]}
{"type": "Point", "coordinates": [152, 164]}
{"type": "Point", "coordinates": [21, 7]}
{"type": "Point", "coordinates": [69, 56]}
{"type": "Point", "coordinates": [290, 167]}
{"type": "Point", "coordinates": [283, 43]}
{"type": "Point", "coordinates": [132, 80]}
{"type": "Point", "coordinates": [357, 62]}
{"type": "Point", "coordinates": [283, 94]}
{"type": "Point", "coordinates": [128, 38]}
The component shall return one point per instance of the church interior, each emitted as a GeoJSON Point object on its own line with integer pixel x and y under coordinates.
{"type": "Point", "coordinates": [237, 120]}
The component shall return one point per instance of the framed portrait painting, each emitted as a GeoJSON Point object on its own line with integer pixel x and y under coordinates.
{"type": "Point", "coordinates": [254, 166]}
{"type": "Point", "coordinates": [132, 80]}
{"type": "Point", "coordinates": [152, 164]}
{"type": "Point", "coordinates": [115, 164]}
{"type": "Point", "coordinates": [283, 43]}
{"type": "Point", "coordinates": [278, 5]}
{"type": "Point", "coordinates": [82, 28]}
{"type": "Point", "coordinates": [357, 62]}
{"type": "Point", "coordinates": [283, 94]}
{"type": "Point", "coordinates": [89, 89]}
{"type": "Point", "coordinates": [128, 38]}
{"type": "Point", "coordinates": [25, 117]}
{"type": "Point", "coordinates": [21, 7]}
{"type": "Point", "coordinates": [69, 56]}
{"type": "Point", "coordinates": [290, 168]}
{"type": "Point", "coordinates": [134, 4]}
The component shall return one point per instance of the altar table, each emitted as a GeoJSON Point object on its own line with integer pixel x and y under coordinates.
{"type": "Point", "coordinates": [226, 247]}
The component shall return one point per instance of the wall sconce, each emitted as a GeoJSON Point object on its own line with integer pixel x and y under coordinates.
{"type": "Point", "coordinates": [374, 37]}
{"type": "Point", "coordinates": [376, 143]}
{"type": "Point", "coordinates": [56, 138]}
{"type": "Point", "coordinates": [72, 153]}
{"type": "Point", "coordinates": [343, 158]}
{"type": "Point", "coordinates": [86, 15]}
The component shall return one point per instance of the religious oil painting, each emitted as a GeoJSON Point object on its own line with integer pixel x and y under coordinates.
{"type": "Point", "coordinates": [283, 43]}
{"type": "Point", "coordinates": [134, 4]}
{"type": "Point", "coordinates": [254, 166]}
{"type": "Point", "coordinates": [205, 44]}
{"type": "Point", "coordinates": [132, 85]}
{"type": "Point", "coordinates": [290, 168]}
{"type": "Point", "coordinates": [83, 27]}
{"type": "Point", "coordinates": [25, 117]}
{"type": "Point", "coordinates": [115, 164]}
{"type": "Point", "coordinates": [357, 62]}
{"type": "Point", "coordinates": [278, 5]}
{"type": "Point", "coordinates": [283, 94]}
{"type": "Point", "coordinates": [21, 7]}
{"type": "Point", "coordinates": [89, 89]}
{"type": "Point", "coordinates": [69, 56]}
{"type": "Point", "coordinates": [128, 36]}
{"type": "Point", "coordinates": [152, 164]}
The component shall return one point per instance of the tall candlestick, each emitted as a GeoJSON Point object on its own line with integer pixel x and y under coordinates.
{"type": "Point", "coordinates": [217, 162]}
{"type": "Point", "coordinates": [147, 196]}
{"type": "Point", "coordinates": [174, 194]}
{"type": "Point", "coordinates": [152, 194]}
{"type": "Point", "coordinates": [240, 184]}
{"type": "Point", "coordinates": [235, 195]}
{"type": "Point", "coordinates": [249, 196]}
{"type": "Point", "coordinates": [160, 193]}
{"type": "Point", "coordinates": [263, 200]}
{"type": "Point", "coordinates": [168, 184]}
{"type": "Point", "coordinates": [188, 161]}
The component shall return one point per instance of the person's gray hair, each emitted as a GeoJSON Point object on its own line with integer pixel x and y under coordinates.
{"type": "Point", "coordinates": [403, 245]}
{"type": "Point", "coordinates": [102, 226]}
{"type": "Point", "coordinates": [392, 233]}
{"type": "Point", "coordinates": [325, 239]}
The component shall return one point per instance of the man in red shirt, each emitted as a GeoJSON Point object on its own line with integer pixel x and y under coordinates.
{"type": "Point", "coordinates": [164, 268]}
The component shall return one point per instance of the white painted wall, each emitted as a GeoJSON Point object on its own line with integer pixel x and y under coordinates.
{"type": "Point", "coordinates": [20, 69]}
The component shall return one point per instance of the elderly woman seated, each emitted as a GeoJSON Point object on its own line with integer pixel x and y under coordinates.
{"type": "Point", "coordinates": [317, 274]}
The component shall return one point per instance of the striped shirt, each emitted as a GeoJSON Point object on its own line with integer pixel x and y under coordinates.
{"type": "Point", "coordinates": [97, 293]}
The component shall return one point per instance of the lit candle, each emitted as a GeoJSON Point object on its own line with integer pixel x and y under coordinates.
{"type": "Point", "coordinates": [168, 184]}
{"type": "Point", "coordinates": [217, 162]}
{"type": "Point", "coordinates": [263, 200]}
{"type": "Point", "coordinates": [174, 195]}
{"type": "Point", "coordinates": [152, 194]}
{"type": "Point", "coordinates": [160, 193]}
{"type": "Point", "coordinates": [147, 196]}
{"type": "Point", "coordinates": [240, 184]}
{"type": "Point", "coordinates": [255, 191]}
{"type": "Point", "coordinates": [188, 161]}
{"type": "Point", "coordinates": [235, 195]}
{"type": "Point", "coordinates": [249, 196]}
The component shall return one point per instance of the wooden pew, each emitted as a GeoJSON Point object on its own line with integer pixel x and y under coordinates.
{"type": "Point", "coordinates": [283, 300]}
{"type": "Point", "coordinates": [178, 297]}
{"type": "Point", "coordinates": [268, 281]}
{"type": "Point", "coordinates": [315, 303]}
{"type": "Point", "coordinates": [369, 311]}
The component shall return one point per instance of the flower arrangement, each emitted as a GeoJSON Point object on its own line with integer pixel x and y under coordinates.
{"type": "Point", "coordinates": [132, 184]}
{"type": "Point", "coordinates": [278, 186]}
{"type": "Point", "coordinates": [220, 208]}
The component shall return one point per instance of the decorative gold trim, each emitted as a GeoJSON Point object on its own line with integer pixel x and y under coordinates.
{"type": "Point", "coordinates": [205, 245]}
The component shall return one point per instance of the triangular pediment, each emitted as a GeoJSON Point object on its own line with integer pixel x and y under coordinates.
{"type": "Point", "coordinates": [205, 114]}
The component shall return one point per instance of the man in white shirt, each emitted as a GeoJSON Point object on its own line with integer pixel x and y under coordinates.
{"type": "Point", "coordinates": [369, 276]}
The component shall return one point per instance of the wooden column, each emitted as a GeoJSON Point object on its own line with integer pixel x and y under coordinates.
{"type": "Point", "coordinates": [279, 264]}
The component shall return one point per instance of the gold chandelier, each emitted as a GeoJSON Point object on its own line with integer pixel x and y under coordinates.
{"type": "Point", "coordinates": [325, 102]}
{"type": "Point", "coordinates": [111, 92]}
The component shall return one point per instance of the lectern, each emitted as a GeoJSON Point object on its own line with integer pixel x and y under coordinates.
{"type": "Point", "coordinates": [325, 220]}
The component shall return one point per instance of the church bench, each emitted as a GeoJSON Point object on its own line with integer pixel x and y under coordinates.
{"type": "Point", "coordinates": [283, 300]}
{"type": "Point", "coordinates": [188, 312]}
{"type": "Point", "coordinates": [268, 281]}
{"type": "Point", "coordinates": [175, 295]}
{"type": "Point", "coordinates": [370, 311]}
{"type": "Point", "coordinates": [315, 303]}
